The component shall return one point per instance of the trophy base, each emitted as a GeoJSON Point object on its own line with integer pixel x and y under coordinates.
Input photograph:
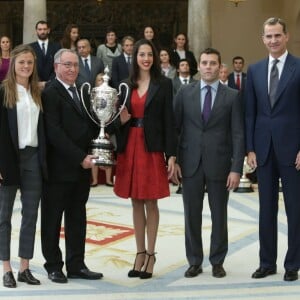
{"type": "Point", "coordinates": [244, 186]}
{"type": "Point", "coordinates": [103, 149]}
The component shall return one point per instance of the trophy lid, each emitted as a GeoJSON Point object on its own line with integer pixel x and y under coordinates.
{"type": "Point", "coordinates": [105, 76]}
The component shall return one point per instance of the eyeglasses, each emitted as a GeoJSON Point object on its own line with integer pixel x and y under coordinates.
{"type": "Point", "coordinates": [69, 65]}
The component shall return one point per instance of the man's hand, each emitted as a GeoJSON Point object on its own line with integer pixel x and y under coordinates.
{"type": "Point", "coordinates": [251, 160]}
{"type": "Point", "coordinates": [233, 181]}
{"type": "Point", "coordinates": [176, 178]}
{"type": "Point", "coordinates": [87, 163]}
{"type": "Point", "coordinates": [297, 162]}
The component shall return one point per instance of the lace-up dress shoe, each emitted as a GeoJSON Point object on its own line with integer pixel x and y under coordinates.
{"type": "Point", "coordinates": [290, 275]}
{"type": "Point", "coordinates": [9, 280]}
{"type": "Point", "coordinates": [27, 277]}
{"type": "Point", "coordinates": [58, 277]}
{"type": "Point", "coordinates": [263, 272]}
{"type": "Point", "coordinates": [218, 271]}
{"type": "Point", "coordinates": [193, 271]}
{"type": "Point", "coordinates": [85, 274]}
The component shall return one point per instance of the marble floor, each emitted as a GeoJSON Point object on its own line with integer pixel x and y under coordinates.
{"type": "Point", "coordinates": [110, 248]}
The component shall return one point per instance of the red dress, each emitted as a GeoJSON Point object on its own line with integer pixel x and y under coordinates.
{"type": "Point", "coordinates": [140, 174]}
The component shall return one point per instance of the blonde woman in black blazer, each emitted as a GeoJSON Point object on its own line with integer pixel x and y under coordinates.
{"type": "Point", "coordinates": [22, 159]}
{"type": "Point", "coordinates": [146, 150]}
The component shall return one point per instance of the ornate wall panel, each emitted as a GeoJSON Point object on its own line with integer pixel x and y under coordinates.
{"type": "Point", "coordinates": [126, 16]}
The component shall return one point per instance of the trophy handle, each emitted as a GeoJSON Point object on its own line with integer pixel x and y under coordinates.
{"type": "Point", "coordinates": [124, 102]}
{"type": "Point", "coordinates": [81, 94]}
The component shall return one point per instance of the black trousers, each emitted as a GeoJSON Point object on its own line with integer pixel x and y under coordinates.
{"type": "Point", "coordinates": [68, 198]}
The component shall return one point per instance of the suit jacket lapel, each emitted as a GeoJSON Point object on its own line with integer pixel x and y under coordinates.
{"type": "Point", "coordinates": [195, 100]}
{"type": "Point", "coordinates": [65, 94]}
{"type": "Point", "coordinates": [218, 101]}
{"type": "Point", "coordinates": [287, 72]}
{"type": "Point", "coordinates": [153, 88]}
{"type": "Point", "coordinates": [13, 126]}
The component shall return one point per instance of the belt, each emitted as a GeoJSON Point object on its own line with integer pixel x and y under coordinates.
{"type": "Point", "coordinates": [137, 122]}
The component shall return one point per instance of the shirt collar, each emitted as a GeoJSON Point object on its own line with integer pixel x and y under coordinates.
{"type": "Point", "coordinates": [214, 85]}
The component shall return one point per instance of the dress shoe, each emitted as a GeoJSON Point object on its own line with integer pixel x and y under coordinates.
{"type": "Point", "coordinates": [179, 190]}
{"type": "Point", "coordinates": [9, 280]}
{"type": "Point", "coordinates": [218, 271]}
{"type": "Point", "coordinates": [290, 275]}
{"type": "Point", "coordinates": [85, 274]}
{"type": "Point", "coordinates": [27, 277]}
{"type": "Point", "coordinates": [193, 271]}
{"type": "Point", "coordinates": [263, 272]}
{"type": "Point", "coordinates": [58, 277]}
{"type": "Point", "coordinates": [109, 184]}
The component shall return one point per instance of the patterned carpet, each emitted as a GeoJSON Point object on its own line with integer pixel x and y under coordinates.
{"type": "Point", "coordinates": [110, 249]}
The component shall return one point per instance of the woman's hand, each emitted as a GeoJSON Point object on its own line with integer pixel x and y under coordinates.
{"type": "Point", "coordinates": [171, 166]}
{"type": "Point", "coordinates": [125, 116]}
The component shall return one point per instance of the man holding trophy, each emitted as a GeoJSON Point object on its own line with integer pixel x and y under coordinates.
{"type": "Point", "coordinates": [69, 131]}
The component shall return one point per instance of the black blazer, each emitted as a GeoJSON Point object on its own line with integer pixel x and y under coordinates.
{"type": "Point", "coordinates": [45, 63]}
{"type": "Point", "coordinates": [159, 123]}
{"type": "Point", "coordinates": [9, 144]}
{"type": "Point", "coordinates": [69, 132]}
{"type": "Point", "coordinates": [189, 55]}
{"type": "Point", "coordinates": [119, 71]}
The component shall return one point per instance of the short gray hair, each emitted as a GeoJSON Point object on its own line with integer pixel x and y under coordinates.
{"type": "Point", "coordinates": [60, 52]}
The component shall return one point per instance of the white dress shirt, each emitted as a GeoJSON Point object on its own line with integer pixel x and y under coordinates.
{"type": "Point", "coordinates": [27, 118]}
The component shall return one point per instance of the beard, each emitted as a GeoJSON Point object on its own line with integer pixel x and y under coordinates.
{"type": "Point", "coordinates": [42, 36]}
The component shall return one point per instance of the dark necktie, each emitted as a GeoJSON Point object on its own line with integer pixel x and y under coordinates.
{"type": "Point", "coordinates": [238, 81]}
{"type": "Point", "coordinates": [207, 104]}
{"type": "Point", "coordinates": [75, 96]}
{"type": "Point", "coordinates": [43, 48]}
{"type": "Point", "coordinates": [128, 62]}
{"type": "Point", "coordinates": [274, 79]}
{"type": "Point", "coordinates": [87, 68]}
{"type": "Point", "coordinates": [185, 81]}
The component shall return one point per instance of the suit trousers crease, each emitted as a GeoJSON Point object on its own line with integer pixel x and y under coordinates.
{"type": "Point", "coordinates": [268, 178]}
{"type": "Point", "coordinates": [193, 196]}
{"type": "Point", "coordinates": [30, 194]}
{"type": "Point", "coordinates": [66, 199]}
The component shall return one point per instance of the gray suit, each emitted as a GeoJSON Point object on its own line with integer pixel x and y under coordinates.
{"type": "Point", "coordinates": [177, 84]}
{"type": "Point", "coordinates": [96, 68]}
{"type": "Point", "coordinates": [207, 153]}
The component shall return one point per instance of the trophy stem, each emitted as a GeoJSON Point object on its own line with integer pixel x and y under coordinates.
{"type": "Point", "coordinates": [102, 132]}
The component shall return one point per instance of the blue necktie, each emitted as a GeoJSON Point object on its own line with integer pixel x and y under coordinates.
{"type": "Point", "coordinates": [87, 68]}
{"type": "Point", "coordinates": [207, 104]}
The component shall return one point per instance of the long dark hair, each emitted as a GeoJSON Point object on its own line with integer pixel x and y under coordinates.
{"type": "Point", "coordinates": [66, 39]}
{"type": "Point", "coordinates": [155, 71]}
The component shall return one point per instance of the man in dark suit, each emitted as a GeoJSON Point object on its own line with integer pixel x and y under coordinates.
{"type": "Point", "coordinates": [45, 51]}
{"type": "Point", "coordinates": [89, 66]}
{"type": "Point", "coordinates": [183, 75]}
{"type": "Point", "coordinates": [237, 78]}
{"type": "Point", "coordinates": [209, 119]}
{"type": "Point", "coordinates": [122, 63]}
{"type": "Point", "coordinates": [68, 132]}
{"type": "Point", "coordinates": [273, 145]}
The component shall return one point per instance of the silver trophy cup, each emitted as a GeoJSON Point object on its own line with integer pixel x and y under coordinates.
{"type": "Point", "coordinates": [104, 101]}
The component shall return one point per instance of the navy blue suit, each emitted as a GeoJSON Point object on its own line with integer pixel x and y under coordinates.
{"type": "Point", "coordinates": [120, 70]}
{"type": "Point", "coordinates": [45, 66]}
{"type": "Point", "coordinates": [274, 135]}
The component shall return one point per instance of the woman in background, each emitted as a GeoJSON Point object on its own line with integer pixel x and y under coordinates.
{"type": "Point", "coordinates": [22, 159]}
{"type": "Point", "coordinates": [146, 146]}
{"type": "Point", "coordinates": [150, 35]}
{"type": "Point", "coordinates": [110, 49]}
{"type": "Point", "coordinates": [181, 51]}
{"type": "Point", "coordinates": [165, 63]}
{"type": "Point", "coordinates": [5, 49]}
{"type": "Point", "coordinates": [70, 37]}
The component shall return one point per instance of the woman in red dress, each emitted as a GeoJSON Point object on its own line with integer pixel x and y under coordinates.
{"type": "Point", "coordinates": [146, 142]}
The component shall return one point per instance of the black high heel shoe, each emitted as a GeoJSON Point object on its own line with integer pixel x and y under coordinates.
{"type": "Point", "coordinates": [144, 274]}
{"type": "Point", "coordinates": [136, 273]}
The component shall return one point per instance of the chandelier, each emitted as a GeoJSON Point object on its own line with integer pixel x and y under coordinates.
{"type": "Point", "coordinates": [236, 2]}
